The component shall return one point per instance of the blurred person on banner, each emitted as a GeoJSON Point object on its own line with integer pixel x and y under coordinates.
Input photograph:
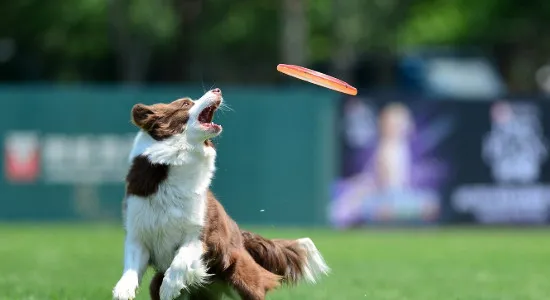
{"type": "Point", "coordinates": [382, 190]}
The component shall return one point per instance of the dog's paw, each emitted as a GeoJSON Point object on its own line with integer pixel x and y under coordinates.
{"type": "Point", "coordinates": [177, 279]}
{"type": "Point", "coordinates": [126, 287]}
{"type": "Point", "coordinates": [171, 288]}
{"type": "Point", "coordinates": [197, 274]}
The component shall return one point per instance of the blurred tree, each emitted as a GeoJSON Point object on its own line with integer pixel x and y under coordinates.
{"type": "Point", "coordinates": [235, 41]}
{"type": "Point", "coordinates": [295, 32]}
{"type": "Point", "coordinates": [138, 26]}
{"type": "Point", "coordinates": [174, 59]}
{"type": "Point", "coordinates": [364, 26]}
{"type": "Point", "coordinates": [512, 30]}
{"type": "Point", "coordinates": [242, 41]}
{"type": "Point", "coordinates": [350, 29]}
{"type": "Point", "coordinates": [61, 34]}
{"type": "Point", "coordinates": [57, 31]}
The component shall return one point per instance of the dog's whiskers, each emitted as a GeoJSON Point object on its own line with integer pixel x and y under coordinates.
{"type": "Point", "coordinates": [225, 107]}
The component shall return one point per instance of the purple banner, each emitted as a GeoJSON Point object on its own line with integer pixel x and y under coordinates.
{"type": "Point", "coordinates": [394, 162]}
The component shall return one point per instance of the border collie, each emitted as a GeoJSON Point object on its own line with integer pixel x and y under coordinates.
{"type": "Point", "coordinates": [174, 224]}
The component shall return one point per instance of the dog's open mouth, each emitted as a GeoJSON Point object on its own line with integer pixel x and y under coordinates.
{"type": "Point", "coordinates": [206, 116]}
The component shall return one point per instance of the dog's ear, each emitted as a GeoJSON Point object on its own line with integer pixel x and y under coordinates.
{"type": "Point", "coordinates": [143, 116]}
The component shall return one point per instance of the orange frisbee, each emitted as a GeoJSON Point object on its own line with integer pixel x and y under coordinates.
{"type": "Point", "coordinates": [317, 78]}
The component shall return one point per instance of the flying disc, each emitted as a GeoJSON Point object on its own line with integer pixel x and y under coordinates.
{"type": "Point", "coordinates": [317, 78]}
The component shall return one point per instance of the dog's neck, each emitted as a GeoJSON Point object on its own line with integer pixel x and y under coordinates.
{"type": "Point", "coordinates": [173, 151]}
{"type": "Point", "coordinates": [192, 166]}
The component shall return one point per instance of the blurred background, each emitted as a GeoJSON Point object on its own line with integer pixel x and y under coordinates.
{"type": "Point", "coordinates": [446, 142]}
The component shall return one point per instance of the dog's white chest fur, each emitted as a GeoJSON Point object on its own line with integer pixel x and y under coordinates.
{"type": "Point", "coordinates": [163, 223]}
{"type": "Point", "coordinates": [175, 214]}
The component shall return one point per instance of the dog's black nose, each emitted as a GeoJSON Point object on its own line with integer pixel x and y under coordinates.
{"type": "Point", "coordinates": [217, 91]}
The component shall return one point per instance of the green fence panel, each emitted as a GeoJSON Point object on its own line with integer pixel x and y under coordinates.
{"type": "Point", "coordinates": [65, 151]}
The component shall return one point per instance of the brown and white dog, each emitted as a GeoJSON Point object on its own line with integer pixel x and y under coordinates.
{"type": "Point", "coordinates": [174, 223]}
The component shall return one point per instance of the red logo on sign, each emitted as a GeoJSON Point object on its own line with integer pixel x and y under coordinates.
{"type": "Point", "coordinates": [21, 157]}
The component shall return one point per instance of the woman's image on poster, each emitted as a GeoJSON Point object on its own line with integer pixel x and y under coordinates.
{"type": "Point", "coordinates": [381, 190]}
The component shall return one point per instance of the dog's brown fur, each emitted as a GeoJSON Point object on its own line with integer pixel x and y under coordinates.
{"type": "Point", "coordinates": [162, 120]}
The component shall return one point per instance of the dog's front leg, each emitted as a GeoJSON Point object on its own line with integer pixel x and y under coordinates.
{"type": "Point", "coordinates": [136, 257]}
{"type": "Point", "coordinates": [186, 270]}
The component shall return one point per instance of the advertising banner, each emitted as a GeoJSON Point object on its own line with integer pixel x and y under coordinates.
{"type": "Point", "coordinates": [503, 175]}
{"type": "Point", "coordinates": [483, 162]}
{"type": "Point", "coordinates": [395, 162]}
{"type": "Point", "coordinates": [31, 157]}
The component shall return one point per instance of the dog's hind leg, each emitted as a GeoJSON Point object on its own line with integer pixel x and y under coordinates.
{"type": "Point", "coordinates": [154, 286]}
{"type": "Point", "coordinates": [248, 278]}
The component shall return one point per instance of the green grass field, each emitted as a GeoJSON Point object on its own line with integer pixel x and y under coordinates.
{"type": "Point", "coordinates": [84, 262]}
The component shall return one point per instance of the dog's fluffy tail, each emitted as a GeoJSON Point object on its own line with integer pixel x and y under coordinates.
{"type": "Point", "coordinates": [294, 260]}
